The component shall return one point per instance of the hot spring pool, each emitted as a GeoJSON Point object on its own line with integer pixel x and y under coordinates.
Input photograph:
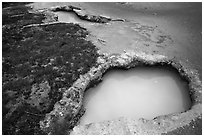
{"type": "Point", "coordinates": [143, 92]}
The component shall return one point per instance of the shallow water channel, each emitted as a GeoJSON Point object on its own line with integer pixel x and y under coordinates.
{"type": "Point", "coordinates": [139, 93]}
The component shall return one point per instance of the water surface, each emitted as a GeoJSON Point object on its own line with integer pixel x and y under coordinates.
{"type": "Point", "coordinates": [181, 22]}
{"type": "Point", "coordinates": [140, 93]}
{"type": "Point", "coordinates": [70, 17]}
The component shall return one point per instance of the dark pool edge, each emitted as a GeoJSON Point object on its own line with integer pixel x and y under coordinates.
{"type": "Point", "coordinates": [71, 103]}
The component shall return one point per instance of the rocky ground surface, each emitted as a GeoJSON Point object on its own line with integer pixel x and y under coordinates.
{"type": "Point", "coordinates": [39, 63]}
{"type": "Point", "coordinates": [169, 124]}
{"type": "Point", "coordinates": [47, 66]}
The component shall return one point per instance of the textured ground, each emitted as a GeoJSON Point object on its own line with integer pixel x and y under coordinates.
{"type": "Point", "coordinates": [38, 63]}
{"type": "Point", "coordinates": [40, 60]}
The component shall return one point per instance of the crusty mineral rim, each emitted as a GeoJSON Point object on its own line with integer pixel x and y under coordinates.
{"type": "Point", "coordinates": [72, 99]}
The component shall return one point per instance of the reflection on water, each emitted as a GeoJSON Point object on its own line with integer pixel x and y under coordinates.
{"type": "Point", "coordinates": [140, 93]}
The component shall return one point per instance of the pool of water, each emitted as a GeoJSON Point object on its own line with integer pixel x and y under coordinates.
{"type": "Point", "coordinates": [182, 22]}
{"type": "Point", "coordinates": [128, 35]}
{"type": "Point", "coordinates": [70, 17]}
{"type": "Point", "coordinates": [139, 93]}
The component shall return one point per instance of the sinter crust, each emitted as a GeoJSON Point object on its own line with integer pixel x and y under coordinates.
{"type": "Point", "coordinates": [71, 103]}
